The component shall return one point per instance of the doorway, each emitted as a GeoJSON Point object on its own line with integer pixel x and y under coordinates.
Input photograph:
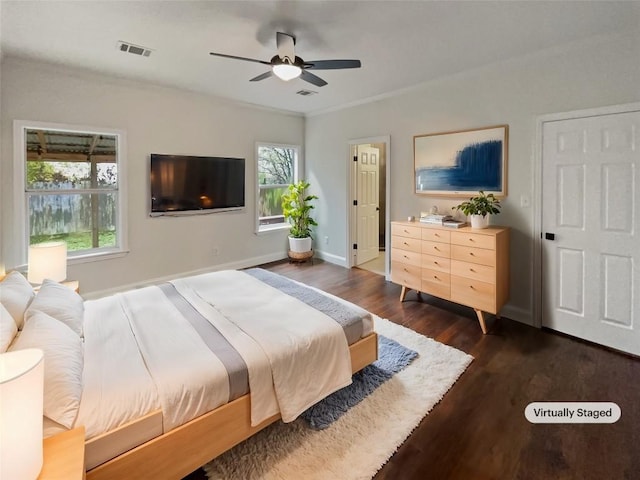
{"type": "Point", "coordinates": [368, 213]}
{"type": "Point", "coordinates": [590, 172]}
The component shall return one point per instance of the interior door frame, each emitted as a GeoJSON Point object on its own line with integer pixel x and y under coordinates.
{"type": "Point", "coordinates": [351, 223]}
{"type": "Point", "coordinates": [537, 191]}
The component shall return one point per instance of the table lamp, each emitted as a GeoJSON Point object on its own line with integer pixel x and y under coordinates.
{"type": "Point", "coordinates": [47, 260]}
{"type": "Point", "coordinates": [21, 399]}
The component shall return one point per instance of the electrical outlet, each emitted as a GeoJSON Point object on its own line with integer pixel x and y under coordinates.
{"type": "Point", "coordinates": [326, 240]}
{"type": "Point", "coordinates": [524, 201]}
{"type": "Point", "coordinates": [215, 251]}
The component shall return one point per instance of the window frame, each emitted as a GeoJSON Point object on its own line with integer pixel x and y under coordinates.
{"type": "Point", "coordinates": [297, 168]}
{"type": "Point", "coordinates": [20, 194]}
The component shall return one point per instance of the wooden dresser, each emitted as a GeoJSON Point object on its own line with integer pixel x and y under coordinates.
{"type": "Point", "coordinates": [463, 265]}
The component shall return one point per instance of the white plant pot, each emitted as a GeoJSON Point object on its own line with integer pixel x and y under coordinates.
{"type": "Point", "coordinates": [300, 245]}
{"type": "Point", "coordinates": [478, 221]}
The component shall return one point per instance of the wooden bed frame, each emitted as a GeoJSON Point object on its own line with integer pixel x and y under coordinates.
{"type": "Point", "coordinates": [179, 452]}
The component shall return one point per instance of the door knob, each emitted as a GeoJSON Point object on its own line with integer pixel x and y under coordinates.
{"type": "Point", "coordinates": [550, 236]}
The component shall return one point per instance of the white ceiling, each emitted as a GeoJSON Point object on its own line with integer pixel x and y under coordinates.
{"type": "Point", "coordinates": [400, 43]}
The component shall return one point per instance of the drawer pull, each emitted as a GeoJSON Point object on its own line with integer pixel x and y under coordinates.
{"type": "Point", "coordinates": [406, 270]}
{"type": "Point", "coordinates": [406, 231]}
{"type": "Point", "coordinates": [472, 270]}
{"type": "Point", "coordinates": [405, 256]}
{"type": "Point", "coordinates": [471, 287]}
{"type": "Point", "coordinates": [405, 243]}
{"type": "Point", "coordinates": [471, 253]}
{"type": "Point", "coordinates": [436, 277]}
{"type": "Point", "coordinates": [436, 249]}
{"type": "Point", "coordinates": [471, 240]}
{"type": "Point", "coordinates": [436, 263]}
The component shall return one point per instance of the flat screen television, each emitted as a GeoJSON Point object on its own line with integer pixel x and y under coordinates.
{"type": "Point", "coordinates": [182, 184]}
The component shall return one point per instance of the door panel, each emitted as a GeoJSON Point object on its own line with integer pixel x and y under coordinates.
{"type": "Point", "coordinates": [591, 280]}
{"type": "Point", "coordinates": [368, 208]}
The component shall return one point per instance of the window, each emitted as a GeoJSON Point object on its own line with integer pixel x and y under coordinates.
{"type": "Point", "coordinates": [277, 169]}
{"type": "Point", "coordinates": [71, 187]}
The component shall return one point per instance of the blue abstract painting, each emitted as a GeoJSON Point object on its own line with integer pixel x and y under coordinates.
{"type": "Point", "coordinates": [461, 162]}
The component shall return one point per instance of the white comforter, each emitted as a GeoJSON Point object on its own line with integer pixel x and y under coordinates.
{"type": "Point", "coordinates": [149, 344]}
{"type": "Point", "coordinates": [298, 342]}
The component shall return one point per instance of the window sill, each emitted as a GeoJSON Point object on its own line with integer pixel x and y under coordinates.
{"type": "Point", "coordinates": [96, 256]}
{"type": "Point", "coordinates": [273, 228]}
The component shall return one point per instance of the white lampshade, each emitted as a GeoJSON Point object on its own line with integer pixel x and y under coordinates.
{"type": "Point", "coordinates": [47, 260]}
{"type": "Point", "coordinates": [21, 398]}
{"type": "Point", "coordinates": [286, 71]}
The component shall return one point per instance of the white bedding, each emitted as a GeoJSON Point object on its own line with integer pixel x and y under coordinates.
{"type": "Point", "coordinates": [142, 355]}
{"type": "Point", "coordinates": [316, 341]}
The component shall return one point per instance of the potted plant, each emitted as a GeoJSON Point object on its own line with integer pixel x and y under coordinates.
{"type": "Point", "coordinates": [296, 208]}
{"type": "Point", "coordinates": [479, 207]}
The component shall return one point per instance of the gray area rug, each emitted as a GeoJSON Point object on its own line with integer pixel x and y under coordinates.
{"type": "Point", "coordinates": [393, 357]}
{"type": "Point", "coordinates": [356, 445]}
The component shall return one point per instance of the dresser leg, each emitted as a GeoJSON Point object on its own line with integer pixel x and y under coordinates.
{"type": "Point", "coordinates": [483, 325]}
{"type": "Point", "coordinates": [403, 293]}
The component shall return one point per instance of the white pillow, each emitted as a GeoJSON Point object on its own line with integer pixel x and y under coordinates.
{"type": "Point", "coordinates": [8, 329]}
{"type": "Point", "coordinates": [63, 363]}
{"type": "Point", "coordinates": [16, 294]}
{"type": "Point", "coordinates": [61, 303]}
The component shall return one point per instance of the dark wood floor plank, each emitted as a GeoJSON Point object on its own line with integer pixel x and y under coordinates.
{"type": "Point", "coordinates": [478, 431]}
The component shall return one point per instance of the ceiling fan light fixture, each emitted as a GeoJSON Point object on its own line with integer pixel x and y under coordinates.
{"type": "Point", "coordinates": [286, 71]}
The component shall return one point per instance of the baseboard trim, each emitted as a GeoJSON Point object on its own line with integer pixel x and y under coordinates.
{"type": "Point", "coordinates": [331, 258]}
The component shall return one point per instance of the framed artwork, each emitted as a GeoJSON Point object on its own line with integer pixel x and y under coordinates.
{"type": "Point", "coordinates": [463, 162]}
{"type": "Point", "coordinates": [364, 158]}
{"type": "Point", "coordinates": [373, 159]}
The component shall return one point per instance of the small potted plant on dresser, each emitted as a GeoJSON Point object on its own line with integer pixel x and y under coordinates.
{"type": "Point", "coordinates": [296, 208]}
{"type": "Point", "coordinates": [479, 207]}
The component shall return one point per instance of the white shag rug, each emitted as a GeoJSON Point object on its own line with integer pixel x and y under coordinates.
{"type": "Point", "coordinates": [359, 443]}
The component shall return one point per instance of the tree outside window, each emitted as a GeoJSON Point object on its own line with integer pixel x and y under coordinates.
{"type": "Point", "coordinates": [277, 169]}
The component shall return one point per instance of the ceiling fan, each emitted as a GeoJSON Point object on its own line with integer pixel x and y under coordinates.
{"type": "Point", "coordinates": [287, 66]}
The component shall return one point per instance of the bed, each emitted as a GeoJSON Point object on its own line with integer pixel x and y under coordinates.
{"type": "Point", "coordinates": [183, 371]}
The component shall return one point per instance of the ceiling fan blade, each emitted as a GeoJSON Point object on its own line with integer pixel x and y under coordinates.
{"type": "Point", "coordinates": [239, 58]}
{"type": "Point", "coordinates": [332, 64]}
{"type": "Point", "coordinates": [311, 78]}
{"type": "Point", "coordinates": [262, 76]}
{"type": "Point", "coordinates": [285, 44]}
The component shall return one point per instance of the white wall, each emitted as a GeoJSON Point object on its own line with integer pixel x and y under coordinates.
{"type": "Point", "coordinates": [603, 71]}
{"type": "Point", "coordinates": [158, 120]}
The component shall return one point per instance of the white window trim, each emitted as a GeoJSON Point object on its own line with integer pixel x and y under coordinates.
{"type": "Point", "coordinates": [297, 168]}
{"type": "Point", "coordinates": [21, 230]}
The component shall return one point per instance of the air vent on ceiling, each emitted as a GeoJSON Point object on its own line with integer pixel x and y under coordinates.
{"type": "Point", "coordinates": [306, 93]}
{"type": "Point", "coordinates": [135, 49]}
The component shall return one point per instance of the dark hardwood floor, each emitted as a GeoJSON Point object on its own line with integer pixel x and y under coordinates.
{"type": "Point", "coordinates": [478, 431]}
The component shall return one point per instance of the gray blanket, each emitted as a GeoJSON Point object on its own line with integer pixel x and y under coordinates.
{"type": "Point", "coordinates": [349, 317]}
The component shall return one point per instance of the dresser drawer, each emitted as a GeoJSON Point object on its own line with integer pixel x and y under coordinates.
{"type": "Point", "coordinates": [436, 248]}
{"type": "Point", "coordinates": [473, 240]}
{"type": "Point", "coordinates": [409, 231]}
{"type": "Point", "coordinates": [474, 293]}
{"type": "Point", "coordinates": [473, 255]}
{"type": "Point", "coordinates": [441, 264]}
{"type": "Point", "coordinates": [406, 275]}
{"type": "Point", "coordinates": [475, 271]}
{"type": "Point", "coordinates": [435, 235]}
{"type": "Point", "coordinates": [436, 283]}
{"type": "Point", "coordinates": [406, 256]}
{"type": "Point", "coordinates": [407, 243]}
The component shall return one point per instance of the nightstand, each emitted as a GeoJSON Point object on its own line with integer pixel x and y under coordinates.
{"type": "Point", "coordinates": [63, 456]}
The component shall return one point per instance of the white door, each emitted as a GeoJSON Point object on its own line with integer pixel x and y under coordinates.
{"type": "Point", "coordinates": [368, 204]}
{"type": "Point", "coordinates": [590, 222]}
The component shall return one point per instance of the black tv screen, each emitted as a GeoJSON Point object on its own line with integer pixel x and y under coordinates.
{"type": "Point", "coordinates": [183, 184]}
